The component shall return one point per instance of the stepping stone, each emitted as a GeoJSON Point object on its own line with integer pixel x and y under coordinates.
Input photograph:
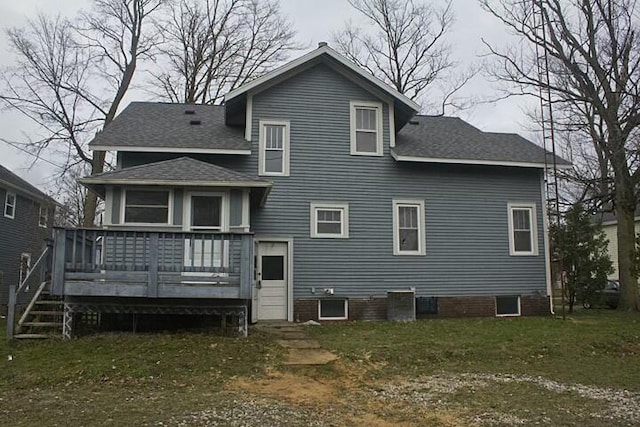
{"type": "Point", "coordinates": [307, 356]}
{"type": "Point", "coordinates": [300, 344]}
{"type": "Point", "coordinates": [294, 335]}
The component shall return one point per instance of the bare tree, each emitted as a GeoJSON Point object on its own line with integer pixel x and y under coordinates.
{"type": "Point", "coordinates": [70, 77]}
{"type": "Point", "coordinates": [406, 48]}
{"type": "Point", "coordinates": [214, 46]}
{"type": "Point", "coordinates": [594, 66]}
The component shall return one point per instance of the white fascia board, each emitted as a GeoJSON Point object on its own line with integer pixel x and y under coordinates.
{"type": "Point", "coordinates": [314, 54]}
{"type": "Point", "coordinates": [175, 183]}
{"type": "Point", "coordinates": [169, 150]}
{"type": "Point", "coordinates": [400, 158]}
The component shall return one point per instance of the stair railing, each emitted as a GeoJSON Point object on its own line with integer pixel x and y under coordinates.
{"type": "Point", "coordinates": [43, 260]}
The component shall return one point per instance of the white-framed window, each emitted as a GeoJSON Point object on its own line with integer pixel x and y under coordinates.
{"type": "Point", "coordinates": [408, 227]}
{"type": "Point", "coordinates": [25, 266]}
{"type": "Point", "coordinates": [523, 233]}
{"type": "Point", "coordinates": [507, 305]}
{"type": "Point", "coordinates": [43, 217]}
{"type": "Point", "coordinates": [146, 206]}
{"type": "Point", "coordinates": [330, 220]}
{"type": "Point", "coordinates": [274, 148]}
{"type": "Point", "coordinates": [366, 128]}
{"type": "Point", "coordinates": [333, 309]}
{"type": "Point", "coordinates": [10, 205]}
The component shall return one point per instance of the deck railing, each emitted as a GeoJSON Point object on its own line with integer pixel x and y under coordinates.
{"type": "Point", "coordinates": [152, 264]}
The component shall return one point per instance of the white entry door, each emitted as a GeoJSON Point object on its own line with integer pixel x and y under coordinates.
{"type": "Point", "coordinates": [272, 281]}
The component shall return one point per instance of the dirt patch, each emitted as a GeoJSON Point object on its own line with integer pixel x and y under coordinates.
{"type": "Point", "coordinates": [295, 389]}
{"type": "Point", "coordinates": [309, 356]}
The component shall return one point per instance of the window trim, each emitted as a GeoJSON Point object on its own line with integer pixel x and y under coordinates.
{"type": "Point", "coordinates": [421, 226]}
{"type": "Point", "coordinates": [123, 207]}
{"type": "Point", "coordinates": [332, 206]}
{"type": "Point", "coordinates": [518, 314]}
{"type": "Point", "coordinates": [346, 309]}
{"type": "Point", "coordinates": [224, 211]}
{"type": "Point", "coordinates": [7, 204]}
{"type": "Point", "coordinates": [262, 147]}
{"type": "Point", "coordinates": [531, 207]}
{"type": "Point", "coordinates": [44, 209]}
{"type": "Point", "coordinates": [353, 105]}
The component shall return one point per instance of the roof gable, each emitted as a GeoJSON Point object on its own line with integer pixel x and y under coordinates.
{"type": "Point", "coordinates": [15, 183]}
{"type": "Point", "coordinates": [325, 54]}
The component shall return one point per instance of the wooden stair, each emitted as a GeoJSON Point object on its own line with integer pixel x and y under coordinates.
{"type": "Point", "coordinates": [42, 319]}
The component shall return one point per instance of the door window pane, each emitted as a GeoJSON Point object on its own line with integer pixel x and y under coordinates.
{"type": "Point", "coordinates": [272, 267]}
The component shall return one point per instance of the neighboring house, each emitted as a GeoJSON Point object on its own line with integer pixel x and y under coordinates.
{"type": "Point", "coordinates": [26, 221]}
{"type": "Point", "coordinates": [312, 192]}
{"type": "Point", "coordinates": [610, 227]}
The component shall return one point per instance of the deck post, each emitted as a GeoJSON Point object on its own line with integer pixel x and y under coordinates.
{"type": "Point", "coordinates": [59, 255]}
{"type": "Point", "coordinates": [246, 270]}
{"type": "Point", "coordinates": [11, 311]}
{"type": "Point", "coordinates": [152, 285]}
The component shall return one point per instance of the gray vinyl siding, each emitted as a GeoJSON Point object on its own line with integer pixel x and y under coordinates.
{"type": "Point", "coordinates": [466, 216]}
{"type": "Point", "coordinates": [19, 235]}
{"type": "Point", "coordinates": [235, 207]}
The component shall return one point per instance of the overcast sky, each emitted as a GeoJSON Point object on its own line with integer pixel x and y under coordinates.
{"type": "Point", "coordinates": [315, 20]}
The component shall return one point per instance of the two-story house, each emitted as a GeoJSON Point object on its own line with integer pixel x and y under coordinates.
{"type": "Point", "coordinates": [26, 221]}
{"type": "Point", "coordinates": [311, 193]}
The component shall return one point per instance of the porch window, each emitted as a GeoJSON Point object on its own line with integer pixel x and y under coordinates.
{"type": "Point", "coordinates": [366, 128]}
{"type": "Point", "coordinates": [146, 207]}
{"type": "Point", "coordinates": [10, 205]}
{"type": "Point", "coordinates": [329, 220]}
{"type": "Point", "coordinates": [206, 212]}
{"type": "Point", "coordinates": [408, 227]}
{"type": "Point", "coordinates": [274, 148]}
{"type": "Point", "coordinates": [522, 229]}
{"type": "Point", "coordinates": [43, 218]}
{"type": "Point", "coordinates": [333, 309]}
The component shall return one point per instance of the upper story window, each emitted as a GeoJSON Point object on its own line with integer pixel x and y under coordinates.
{"type": "Point", "coordinates": [408, 227]}
{"type": "Point", "coordinates": [146, 207]}
{"type": "Point", "coordinates": [274, 148]}
{"type": "Point", "coordinates": [43, 217]}
{"type": "Point", "coordinates": [366, 128]}
{"type": "Point", "coordinates": [330, 220]}
{"type": "Point", "coordinates": [10, 205]}
{"type": "Point", "coordinates": [522, 229]}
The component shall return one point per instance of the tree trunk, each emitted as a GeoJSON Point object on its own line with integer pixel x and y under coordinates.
{"type": "Point", "coordinates": [91, 201]}
{"type": "Point", "coordinates": [626, 258]}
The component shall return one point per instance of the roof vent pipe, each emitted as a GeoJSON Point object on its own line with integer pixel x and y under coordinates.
{"type": "Point", "coordinates": [322, 44]}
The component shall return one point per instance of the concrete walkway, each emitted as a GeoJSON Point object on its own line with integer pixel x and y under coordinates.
{"type": "Point", "coordinates": [301, 349]}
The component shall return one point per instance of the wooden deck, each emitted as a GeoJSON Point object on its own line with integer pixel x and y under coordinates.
{"type": "Point", "coordinates": [152, 264]}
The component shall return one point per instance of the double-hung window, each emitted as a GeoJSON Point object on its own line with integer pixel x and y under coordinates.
{"type": "Point", "coordinates": [329, 220]}
{"type": "Point", "coordinates": [408, 227]}
{"type": "Point", "coordinates": [274, 148]}
{"type": "Point", "coordinates": [10, 205]}
{"type": "Point", "coordinates": [522, 229]}
{"type": "Point", "coordinates": [43, 217]}
{"type": "Point", "coordinates": [146, 207]}
{"type": "Point", "coordinates": [366, 128]}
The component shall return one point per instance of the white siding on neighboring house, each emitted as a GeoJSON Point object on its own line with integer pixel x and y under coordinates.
{"type": "Point", "coordinates": [610, 231]}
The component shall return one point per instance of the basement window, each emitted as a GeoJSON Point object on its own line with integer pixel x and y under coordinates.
{"type": "Point", "coordinates": [508, 306]}
{"type": "Point", "coordinates": [333, 309]}
{"type": "Point", "coordinates": [426, 306]}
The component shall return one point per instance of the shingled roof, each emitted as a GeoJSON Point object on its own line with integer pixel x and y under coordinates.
{"type": "Point", "coordinates": [183, 171]}
{"type": "Point", "coordinates": [13, 181]}
{"type": "Point", "coordinates": [153, 126]}
{"type": "Point", "coordinates": [441, 139]}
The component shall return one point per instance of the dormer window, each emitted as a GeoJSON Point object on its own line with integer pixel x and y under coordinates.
{"type": "Point", "coordinates": [366, 128]}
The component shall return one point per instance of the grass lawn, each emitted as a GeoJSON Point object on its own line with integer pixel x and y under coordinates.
{"type": "Point", "coordinates": [584, 371]}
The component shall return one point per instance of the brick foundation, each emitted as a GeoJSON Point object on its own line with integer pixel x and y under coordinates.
{"type": "Point", "coordinates": [376, 308]}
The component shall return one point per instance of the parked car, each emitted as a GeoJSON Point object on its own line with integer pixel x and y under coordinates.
{"type": "Point", "coordinates": [609, 295]}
